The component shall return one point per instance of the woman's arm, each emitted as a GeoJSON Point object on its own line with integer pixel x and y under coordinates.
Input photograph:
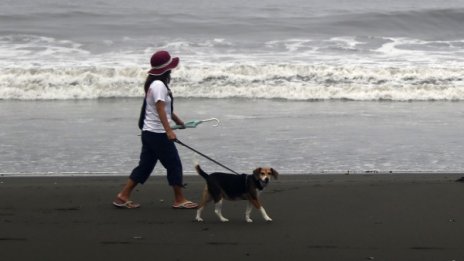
{"type": "Point", "coordinates": [160, 105]}
{"type": "Point", "coordinates": [177, 120]}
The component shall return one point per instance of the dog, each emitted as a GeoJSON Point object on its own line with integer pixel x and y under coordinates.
{"type": "Point", "coordinates": [221, 186]}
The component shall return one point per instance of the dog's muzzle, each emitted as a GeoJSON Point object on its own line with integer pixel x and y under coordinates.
{"type": "Point", "coordinates": [263, 183]}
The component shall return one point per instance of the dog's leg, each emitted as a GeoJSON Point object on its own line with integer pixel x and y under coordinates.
{"type": "Point", "coordinates": [204, 200]}
{"type": "Point", "coordinates": [199, 211]}
{"type": "Point", "coordinates": [258, 205]}
{"type": "Point", "coordinates": [218, 211]}
{"type": "Point", "coordinates": [265, 216]}
{"type": "Point", "coordinates": [248, 212]}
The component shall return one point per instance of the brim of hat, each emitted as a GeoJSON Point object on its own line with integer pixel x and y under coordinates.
{"type": "Point", "coordinates": [172, 65]}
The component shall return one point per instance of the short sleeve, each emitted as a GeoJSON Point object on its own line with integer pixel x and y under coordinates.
{"type": "Point", "coordinates": [159, 92]}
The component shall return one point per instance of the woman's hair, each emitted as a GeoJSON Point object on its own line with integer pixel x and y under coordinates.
{"type": "Point", "coordinates": [165, 78]}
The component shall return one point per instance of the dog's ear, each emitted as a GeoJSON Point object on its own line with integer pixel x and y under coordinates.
{"type": "Point", "coordinates": [274, 173]}
{"type": "Point", "coordinates": [256, 172]}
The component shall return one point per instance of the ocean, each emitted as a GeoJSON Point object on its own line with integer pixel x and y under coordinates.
{"type": "Point", "coordinates": [306, 86]}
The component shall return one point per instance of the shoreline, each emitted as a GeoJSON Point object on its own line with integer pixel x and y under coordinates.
{"type": "Point", "coordinates": [316, 217]}
{"type": "Point", "coordinates": [112, 174]}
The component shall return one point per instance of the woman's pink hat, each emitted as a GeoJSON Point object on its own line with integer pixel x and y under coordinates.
{"type": "Point", "coordinates": [162, 62]}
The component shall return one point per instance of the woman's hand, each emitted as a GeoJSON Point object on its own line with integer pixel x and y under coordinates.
{"type": "Point", "coordinates": [178, 121]}
{"type": "Point", "coordinates": [171, 135]}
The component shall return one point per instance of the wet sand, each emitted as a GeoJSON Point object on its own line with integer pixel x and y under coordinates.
{"type": "Point", "coordinates": [316, 217]}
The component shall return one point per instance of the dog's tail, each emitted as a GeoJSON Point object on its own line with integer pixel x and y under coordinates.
{"type": "Point", "coordinates": [201, 172]}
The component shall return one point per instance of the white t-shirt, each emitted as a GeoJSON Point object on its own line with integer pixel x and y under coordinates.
{"type": "Point", "coordinates": [157, 92]}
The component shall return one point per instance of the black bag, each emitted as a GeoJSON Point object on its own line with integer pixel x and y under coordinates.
{"type": "Point", "coordinates": [142, 114]}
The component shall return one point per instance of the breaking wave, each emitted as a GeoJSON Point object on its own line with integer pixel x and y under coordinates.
{"type": "Point", "coordinates": [264, 81]}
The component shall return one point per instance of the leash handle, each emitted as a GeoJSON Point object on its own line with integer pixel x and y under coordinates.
{"type": "Point", "coordinates": [201, 154]}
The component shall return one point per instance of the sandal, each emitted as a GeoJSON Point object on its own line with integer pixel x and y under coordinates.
{"type": "Point", "coordinates": [185, 205]}
{"type": "Point", "coordinates": [119, 203]}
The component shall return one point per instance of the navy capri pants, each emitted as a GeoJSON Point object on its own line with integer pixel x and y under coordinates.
{"type": "Point", "coordinates": [157, 146]}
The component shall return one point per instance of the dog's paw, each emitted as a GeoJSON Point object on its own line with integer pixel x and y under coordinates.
{"type": "Point", "coordinates": [198, 219]}
{"type": "Point", "coordinates": [224, 220]}
{"type": "Point", "coordinates": [249, 220]}
{"type": "Point", "coordinates": [268, 219]}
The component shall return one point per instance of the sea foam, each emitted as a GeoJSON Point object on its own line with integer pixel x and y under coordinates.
{"type": "Point", "coordinates": [266, 81]}
{"type": "Point", "coordinates": [345, 67]}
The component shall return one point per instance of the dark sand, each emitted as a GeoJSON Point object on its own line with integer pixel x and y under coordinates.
{"type": "Point", "coordinates": [316, 217]}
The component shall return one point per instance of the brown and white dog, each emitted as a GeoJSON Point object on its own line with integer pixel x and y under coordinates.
{"type": "Point", "coordinates": [221, 186]}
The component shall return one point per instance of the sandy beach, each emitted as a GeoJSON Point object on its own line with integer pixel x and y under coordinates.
{"type": "Point", "coordinates": [316, 217]}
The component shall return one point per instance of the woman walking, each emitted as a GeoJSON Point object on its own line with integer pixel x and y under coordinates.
{"type": "Point", "coordinates": [157, 136]}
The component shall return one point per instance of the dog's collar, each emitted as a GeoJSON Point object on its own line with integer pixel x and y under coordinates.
{"type": "Point", "coordinates": [259, 183]}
